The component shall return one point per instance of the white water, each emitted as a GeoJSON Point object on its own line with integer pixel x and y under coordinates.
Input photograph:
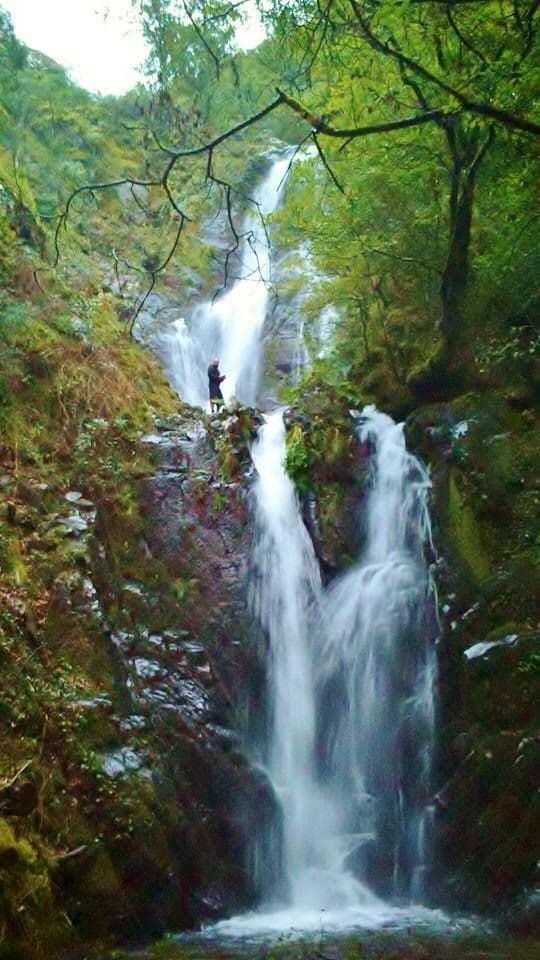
{"type": "Point", "coordinates": [378, 670]}
{"type": "Point", "coordinates": [286, 589]}
{"type": "Point", "coordinates": [351, 670]}
{"type": "Point", "coordinates": [231, 328]}
{"type": "Point", "coordinates": [185, 363]}
{"type": "Point", "coordinates": [351, 675]}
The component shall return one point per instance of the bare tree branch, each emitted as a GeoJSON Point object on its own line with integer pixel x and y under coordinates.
{"type": "Point", "coordinates": [320, 125]}
{"type": "Point", "coordinates": [203, 40]}
{"type": "Point", "coordinates": [136, 199]}
{"type": "Point", "coordinates": [293, 157]}
{"type": "Point", "coordinates": [463, 39]}
{"type": "Point", "coordinates": [156, 270]}
{"type": "Point", "coordinates": [254, 118]}
{"type": "Point", "coordinates": [325, 163]}
{"type": "Point", "coordinates": [224, 13]}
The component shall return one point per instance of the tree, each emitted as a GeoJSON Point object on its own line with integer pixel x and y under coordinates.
{"type": "Point", "coordinates": [432, 52]}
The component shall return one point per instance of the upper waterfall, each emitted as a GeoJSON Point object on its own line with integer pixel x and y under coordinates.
{"type": "Point", "coordinates": [231, 327]}
{"type": "Point", "coordinates": [350, 670]}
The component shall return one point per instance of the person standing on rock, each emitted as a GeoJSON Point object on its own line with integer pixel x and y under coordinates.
{"type": "Point", "coordinates": [215, 378]}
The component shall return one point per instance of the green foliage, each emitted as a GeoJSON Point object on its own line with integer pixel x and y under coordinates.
{"type": "Point", "coordinates": [381, 244]}
{"type": "Point", "coordinates": [75, 395]}
{"type": "Point", "coordinates": [466, 533]}
{"type": "Point", "coordinates": [530, 664]}
{"type": "Point", "coordinates": [7, 251]}
{"type": "Point", "coordinates": [299, 458]}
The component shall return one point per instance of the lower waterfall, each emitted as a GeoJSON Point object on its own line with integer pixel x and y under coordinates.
{"type": "Point", "coordinates": [377, 672]}
{"type": "Point", "coordinates": [350, 673]}
{"type": "Point", "coordinates": [285, 592]}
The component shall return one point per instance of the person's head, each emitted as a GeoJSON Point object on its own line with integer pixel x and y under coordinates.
{"type": "Point", "coordinates": [214, 362]}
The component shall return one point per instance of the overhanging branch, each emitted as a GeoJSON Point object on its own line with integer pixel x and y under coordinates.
{"type": "Point", "coordinates": [466, 101]}
{"type": "Point", "coordinates": [320, 127]}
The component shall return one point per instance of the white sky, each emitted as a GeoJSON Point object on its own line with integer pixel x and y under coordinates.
{"type": "Point", "coordinates": [98, 41]}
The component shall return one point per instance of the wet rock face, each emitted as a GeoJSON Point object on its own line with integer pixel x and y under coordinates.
{"type": "Point", "coordinates": [482, 458]}
{"type": "Point", "coordinates": [150, 810]}
{"type": "Point", "coordinates": [184, 675]}
{"type": "Point", "coordinates": [489, 650]}
{"type": "Point", "coordinates": [199, 526]}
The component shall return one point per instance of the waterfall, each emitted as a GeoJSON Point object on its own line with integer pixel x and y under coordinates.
{"type": "Point", "coordinates": [351, 675]}
{"type": "Point", "coordinates": [285, 582]}
{"type": "Point", "coordinates": [185, 363]}
{"type": "Point", "coordinates": [231, 327]}
{"type": "Point", "coordinates": [285, 592]}
{"type": "Point", "coordinates": [349, 713]}
{"type": "Point", "coordinates": [377, 673]}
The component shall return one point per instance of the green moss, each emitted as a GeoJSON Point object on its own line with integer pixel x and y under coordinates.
{"type": "Point", "coordinates": [415, 944]}
{"type": "Point", "coordinates": [465, 532]}
{"type": "Point", "coordinates": [7, 837]}
{"type": "Point", "coordinates": [26, 903]}
{"type": "Point", "coordinates": [7, 251]}
{"type": "Point", "coordinates": [299, 457]}
{"type": "Point", "coordinates": [101, 880]}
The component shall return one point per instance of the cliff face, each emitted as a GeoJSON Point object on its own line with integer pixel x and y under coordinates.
{"type": "Point", "coordinates": [481, 447]}
{"type": "Point", "coordinates": [126, 802]}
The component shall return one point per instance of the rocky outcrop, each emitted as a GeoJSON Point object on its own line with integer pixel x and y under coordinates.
{"type": "Point", "coordinates": [137, 812]}
{"type": "Point", "coordinates": [182, 660]}
{"type": "Point", "coordinates": [329, 467]}
{"type": "Point", "coordinates": [484, 502]}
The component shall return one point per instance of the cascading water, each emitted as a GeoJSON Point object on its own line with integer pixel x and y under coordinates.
{"type": "Point", "coordinates": [285, 591]}
{"type": "Point", "coordinates": [231, 327]}
{"type": "Point", "coordinates": [377, 674]}
{"type": "Point", "coordinates": [185, 363]}
{"type": "Point", "coordinates": [351, 676]}
{"type": "Point", "coordinates": [350, 721]}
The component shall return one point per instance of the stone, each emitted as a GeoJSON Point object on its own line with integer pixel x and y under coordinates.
{"type": "Point", "coordinates": [134, 723]}
{"type": "Point", "coordinates": [483, 648]}
{"type": "Point", "coordinates": [75, 524]}
{"type": "Point", "coordinates": [118, 763]}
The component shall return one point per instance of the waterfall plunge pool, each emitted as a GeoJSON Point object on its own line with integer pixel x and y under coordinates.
{"type": "Point", "coordinates": [413, 934]}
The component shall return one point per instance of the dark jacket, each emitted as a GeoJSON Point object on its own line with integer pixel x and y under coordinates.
{"type": "Point", "coordinates": [214, 380]}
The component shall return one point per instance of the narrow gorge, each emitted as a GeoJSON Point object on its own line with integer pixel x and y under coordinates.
{"type": "Point", "coordinates": [345, 720]}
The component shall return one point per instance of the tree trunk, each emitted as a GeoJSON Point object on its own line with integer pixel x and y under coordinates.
{"type": "Point", "coordinates": [450, 369]}
{"type": "Point", "coordinates": [456, 269]}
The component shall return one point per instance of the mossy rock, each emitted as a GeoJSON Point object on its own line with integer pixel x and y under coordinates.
{"type": "Point", "coordinates": [465, 532]}
{"type": "Point", "coordinates": [503, 686]}
{"type": "Point", "coordinates": [30, 919]}
{"type": "Point", "coordinates": [439, 378]}
{"type": "Point", "coordinates": [8, 844]}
